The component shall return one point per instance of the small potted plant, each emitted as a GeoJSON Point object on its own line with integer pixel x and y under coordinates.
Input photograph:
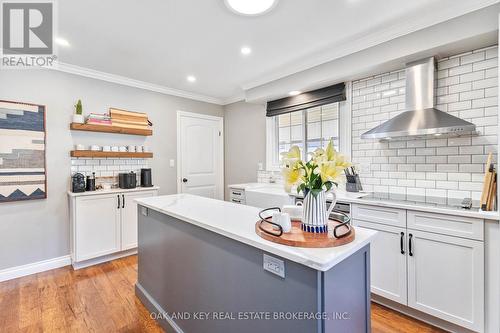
{"type": "Point", "coordinates": [314, 178]}
{"type": "Point", "coordinates": [78, 116]}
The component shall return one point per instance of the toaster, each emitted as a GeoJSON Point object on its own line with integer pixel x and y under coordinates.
{"type": "Point", "coordinates": [127, 180]}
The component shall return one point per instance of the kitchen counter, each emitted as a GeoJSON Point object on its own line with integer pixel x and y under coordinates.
{"type": "Point", "coordinates": [238, 222]}
{"type": "Point", "coordinates": [392, 201]}
{"type": "Point", "coordinates": [201, 255]}
{"type": "Point", "coordinates": [113, 191]}
{"type": "Point", "coordinates": [455, 210]}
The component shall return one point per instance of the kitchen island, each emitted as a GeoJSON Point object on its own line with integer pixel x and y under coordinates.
{"type": "Point", "coordinates": [202, 268]}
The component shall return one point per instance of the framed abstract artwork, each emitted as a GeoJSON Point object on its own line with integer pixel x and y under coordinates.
{"type": "Point", "coordinates": [22, 152]}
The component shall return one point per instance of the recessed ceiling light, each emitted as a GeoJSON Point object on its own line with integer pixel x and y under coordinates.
{"type": "Point", "coordinates": [191, 78]}
{"type": "Point", "coordinates": [250, 7]}
{"type": "Point", "coordinates": [437, 134]}
{"type": "Point", "coordinates": [294, 93]}
{"type": "Point", "coordinates": [245, 50]}
{"type": "Point", "coordinates": [61, 41]}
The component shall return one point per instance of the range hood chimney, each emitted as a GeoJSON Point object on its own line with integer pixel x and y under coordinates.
{"type": "Point", "coordinates": [420, 117]}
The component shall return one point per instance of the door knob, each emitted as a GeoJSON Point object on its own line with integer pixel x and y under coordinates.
{"type": "Point", "coordinates": [184, 180]}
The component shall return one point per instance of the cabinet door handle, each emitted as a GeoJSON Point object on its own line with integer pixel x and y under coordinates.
{"type": "Point", "coordinates": [410, 250]}
{"type": "Point", "coordinates": [123, 203]}
{"type": "Point", "coordinates": [402, 243]}
{"type": "Point", "coordinates": [118, 201]}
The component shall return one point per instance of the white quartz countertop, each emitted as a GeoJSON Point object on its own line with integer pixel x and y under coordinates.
{"type": "Point", "coordinates": [238, 222]}
{"type": "Point", "coordinates": [360, 198]}
{"type": "Point", "coordinates": [113, 191]}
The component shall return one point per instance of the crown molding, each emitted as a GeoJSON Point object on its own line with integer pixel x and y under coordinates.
{"type": "Point", "coordinates": [400, 28]}
{"type": "Point", "coordinates": [233, 99]}
{"type": "Point", "coordinates": [122, 80]}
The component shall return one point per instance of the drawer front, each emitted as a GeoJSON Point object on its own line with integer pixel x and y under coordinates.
{"type": "Point", "coordinates": [375, 214]}
{"type": "Point", "coordinates": [451, 225]}
{"type": "Point", "coordinates": [237, 194]}
{"type": "Point", "coordinates": [238, 200]}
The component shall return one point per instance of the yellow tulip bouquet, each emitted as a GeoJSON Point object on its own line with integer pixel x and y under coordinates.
{"type": "Point", "coordinates": [320, 173]}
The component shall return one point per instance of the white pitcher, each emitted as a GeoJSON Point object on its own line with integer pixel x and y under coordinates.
{"type": "Point", "coordinates": [315, 218]}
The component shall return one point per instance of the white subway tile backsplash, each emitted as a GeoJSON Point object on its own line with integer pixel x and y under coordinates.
{"type": "Point", "coordinates": [486, 83]}
{"type": "Point", "coordinates": [460, 70]}
{"type": "Point", "coordinates": [474, 76]}
{"type": "Point", "coordinates": [447, 151]}
{"type": "Point", "coordinates": [425, 151]}
{"type": "Point", "coordinates": [466, 87]}
{"type": "Point", "coordinates": [448, 63]}
{"type": "Point", "coordinates": [447, 167]}
{"type": "Point", "coordinates": [486, 64]}
{"type": "Point", "coordinates": [473, 57]}
{"type": "Point", "coordinates": [425, 183]}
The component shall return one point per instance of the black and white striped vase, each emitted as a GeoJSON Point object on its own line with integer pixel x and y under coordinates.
{"type": "Point", "coordinates": [315, 213]}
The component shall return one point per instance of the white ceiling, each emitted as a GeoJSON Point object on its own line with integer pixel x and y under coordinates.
{"type": "Point", "coordinates": [162, 41]}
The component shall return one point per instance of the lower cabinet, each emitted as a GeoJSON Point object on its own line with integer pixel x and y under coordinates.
{"type": "Point", "coordinates": [103, 224]}
{"type": "Point", "coordinates": [97, 227]}
{"type": "Point", "coordinates": [434, 273]}
{"type": "Point", "coordinates": [446, 278]}
{"type": "Point", "coordinates": [388, 262]}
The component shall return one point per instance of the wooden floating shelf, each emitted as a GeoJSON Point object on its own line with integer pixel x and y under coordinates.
{"type": "Point", "coordinates": [110, 129]}
{"type": "Point", "coordinates": [103, 154]}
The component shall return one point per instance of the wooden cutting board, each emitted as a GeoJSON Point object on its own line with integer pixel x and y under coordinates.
{"type": "Point", "coordinates": [487, 183]}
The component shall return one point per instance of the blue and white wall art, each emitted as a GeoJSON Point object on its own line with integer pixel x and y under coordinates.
{"type": "Point", "coordinates": [22, 152]}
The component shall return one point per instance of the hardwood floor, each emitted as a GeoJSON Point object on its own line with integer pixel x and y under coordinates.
{"type": "Point", "coordinates": [101, 299]}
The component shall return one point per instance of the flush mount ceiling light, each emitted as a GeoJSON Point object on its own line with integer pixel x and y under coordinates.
{"type": "Point", "coordinates": [245, 50]}
{"type": "Point", "coordinates": [294, 93]}
{"type": "Point", "coordinates": [250, 7]}
{"type": "Point", "coordinates": [191, 78]}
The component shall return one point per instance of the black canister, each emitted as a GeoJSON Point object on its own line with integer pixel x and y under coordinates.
{"type": "Point", "coordinates": [90, 182]}
{"type": "Point", "coordinates": [127, 180]}
{"type": "Point", "coordinates": [146, 178]}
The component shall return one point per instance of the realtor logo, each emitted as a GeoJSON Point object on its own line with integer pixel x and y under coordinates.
{"type": "Point", "coordinates": [27, 30]}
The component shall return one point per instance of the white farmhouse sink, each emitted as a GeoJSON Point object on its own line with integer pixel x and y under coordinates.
{"type": "Point", "coordinates": [267, 196]}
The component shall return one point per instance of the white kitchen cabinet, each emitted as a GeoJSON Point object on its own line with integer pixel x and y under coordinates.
{"type": "Point", "coordinates": [129, 218]}
{"type": "Point", "coordinates": [97, 231]}
{"type": "Point", "coordinates": [388, 261]}
{"type": "Point", "coordinates": [446, 278]}
{"type": "Point", "coordinates": [104, 224]}
{"type": "Point", "coordinates": [441, 271]}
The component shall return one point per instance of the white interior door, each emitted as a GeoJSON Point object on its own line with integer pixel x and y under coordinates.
{"type": "Point", "coordinates": [200, 155]}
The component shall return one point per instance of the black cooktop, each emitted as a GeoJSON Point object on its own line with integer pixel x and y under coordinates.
{"type": "Point", "coordinates": [420, 200]}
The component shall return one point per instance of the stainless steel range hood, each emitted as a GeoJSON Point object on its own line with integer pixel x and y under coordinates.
{"type": "Point", "coordinates": [421, 118]}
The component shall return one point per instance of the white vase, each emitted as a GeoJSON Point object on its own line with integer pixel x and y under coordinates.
{"type": "Point", "coordinates": [315, 214]}
{"type": "Point", "coordinates": [78, 118]}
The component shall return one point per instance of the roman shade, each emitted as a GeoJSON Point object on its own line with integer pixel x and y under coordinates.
{"type": "Point", "coordinates": [310, 99]}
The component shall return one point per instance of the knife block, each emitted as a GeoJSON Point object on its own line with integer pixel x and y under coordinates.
{"type": "Point", "coordinates": [353, 184]}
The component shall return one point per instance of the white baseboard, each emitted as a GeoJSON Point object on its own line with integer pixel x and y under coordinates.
{"type": "Point", "coordinates": [100, 260]}
{"type": "Point", "coordinates": [33, 268]}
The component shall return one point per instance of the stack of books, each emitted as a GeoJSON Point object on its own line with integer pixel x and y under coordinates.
{"type": "Point", "coordinates": [128, 119]}
{"type": "Point", "coordinates": [99, 119]}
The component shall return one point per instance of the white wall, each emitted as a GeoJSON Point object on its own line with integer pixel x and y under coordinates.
{"type": "Point", "coordinates": [245, 141]}
{"type": "Point", "coordinates": [39, 230]}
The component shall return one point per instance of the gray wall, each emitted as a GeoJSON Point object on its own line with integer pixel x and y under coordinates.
{"type": "Point", "coordinates": [39, 230]}
{"type": "Point", "coordinates": [245, 142]}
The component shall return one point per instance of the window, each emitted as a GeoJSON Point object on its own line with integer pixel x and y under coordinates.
{"type": "Point", "coordinates": [311, 128]}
